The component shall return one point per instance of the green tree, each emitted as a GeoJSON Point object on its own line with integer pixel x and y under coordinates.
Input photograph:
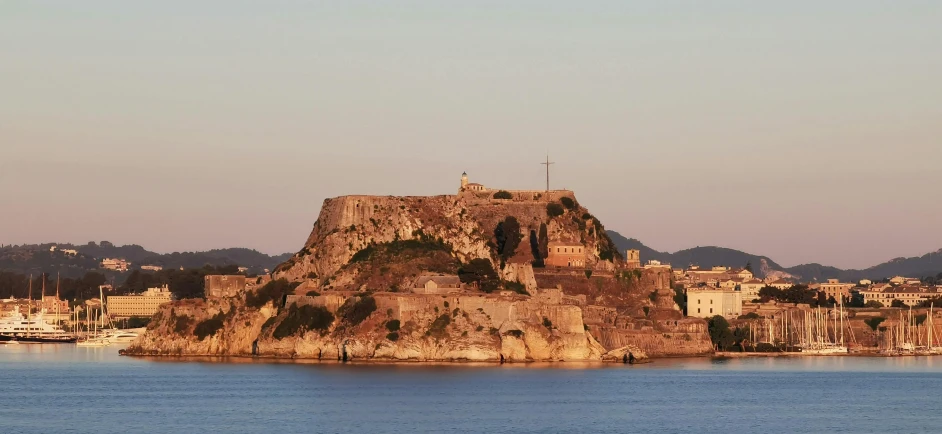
{"type": "Point", "coordinates": [680, 298]}
{"type": "Point", "coordinates": [554, 209]}
{"type": "Point", "coordinates": [512, 237]}
{"type": "Point", "coordinates": [898, 303]}
{"type": "Point", "coordinates": [503, 195]}
{"type": "Point", "coordinates": [874, 322]}
{"type": "Point", "coordinates": [567, 202]}
{"type": "Point", "coordinates": [535, 250]}
{"type": "Point", "coordinates": [873, 304]}
{"type": "Point", "coordinates": [480, 272]}
{"type": "Point", "coordinates": [544, 241]}
{"type": "Point", "coordinates": [720, 333]}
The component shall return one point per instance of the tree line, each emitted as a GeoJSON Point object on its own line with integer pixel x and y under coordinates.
{"type": "Point", "coordinates": [186, 283]}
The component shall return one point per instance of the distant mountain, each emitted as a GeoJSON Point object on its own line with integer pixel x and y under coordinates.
{"type": "Point", "coordinates": [703, 256]}
{"type": "Point", "coordinates": [38, 258]}
{"type": "Point", "coordinates": [929, 264]}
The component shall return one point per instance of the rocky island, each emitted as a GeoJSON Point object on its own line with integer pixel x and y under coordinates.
{"type": "Point", "coordinates": [483, 275]}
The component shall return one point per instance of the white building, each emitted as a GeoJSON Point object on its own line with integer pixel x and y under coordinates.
{"type": "Point", "coordinates": [151, 267]}
{"type": "Point", "coordinates": [706, 302]}
{"type": "Point", "coordinates": [750, 289]}
{"type": "Point", "coordinates": [656, 264]}
{"type": "Point", "coordinates": [115, 264]}
{"type": "Point", "coordinates": [145, 304]}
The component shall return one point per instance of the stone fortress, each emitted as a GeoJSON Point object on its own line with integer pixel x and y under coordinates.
{"type": "Point", "coordinates": [576, 298]}
{"type": "Point", "coordinates": [478, 192]}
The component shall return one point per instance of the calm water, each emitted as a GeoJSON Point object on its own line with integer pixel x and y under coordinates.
{"type": "Point", "coordinates": [62, 389]}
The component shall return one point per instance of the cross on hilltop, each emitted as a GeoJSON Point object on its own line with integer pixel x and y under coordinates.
{"type": "Point", "coordinates": [547, 164]}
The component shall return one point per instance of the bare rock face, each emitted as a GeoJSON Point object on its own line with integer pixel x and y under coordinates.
{"type": "Point", "coordinates": [172, 330]}
{"type": "Point", "coordinates": [429, 328]}
{"type": "Point", "coordinates": [465, 223]}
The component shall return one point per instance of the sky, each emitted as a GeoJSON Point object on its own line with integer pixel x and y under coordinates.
{"type": "Point", "coordinates": [806, 131]}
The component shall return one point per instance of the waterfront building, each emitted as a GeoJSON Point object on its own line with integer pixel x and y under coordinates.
{"type": "Point", "coordinates": [911, 295]}
{"type": "Point", "coordinates": [706, 302]}
{"type": "Point", "coordinates": [145, 304]}
{"type": "Point", "coordinates": [53, 304]}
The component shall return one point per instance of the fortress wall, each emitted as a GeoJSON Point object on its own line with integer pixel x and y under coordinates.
{"type": "Point", "coordinates": [541, 197]}
{"type": "Point", "coordinates": [330, 301]}
{"type": "Point", "coordinates": [600, 315]}
{"type": "Point", "coordinates": [500, 309]}
{"type": "Point", "coordinates": [655, 343]}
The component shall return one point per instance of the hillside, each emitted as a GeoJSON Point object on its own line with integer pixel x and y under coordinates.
{"type": "Point", "coordinates": [481, 275]}
{"type": "Point", "coordinates": [703, 256]}
{"type": "Point", "coordinates": [37, 258]}
{"type": "Point", "coordinates": [929, 264]}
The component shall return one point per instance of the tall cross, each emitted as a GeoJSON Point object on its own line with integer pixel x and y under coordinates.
{"type": "Point", "coordinates": [547, 164]}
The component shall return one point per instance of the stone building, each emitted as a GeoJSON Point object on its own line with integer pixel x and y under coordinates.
{"type": "Point", "coordinates": [466, 186]}
{"type": "Point", "coordinates": [218, 285]}
{"type": "Point", "coordinates": [834, 288]}
{"type": "Point", "coordinates": [115, 264]}
{"type": "Point", "coordinates": [706, 302]}
{"type": "Point", "coordinates": [750, 289]}
{"type": "Point", "coordinates": [563, 254]}
{"type": "Point", "coordinates": [437, 284]}
{"type": "Point", "coordinates": [911, 295]}
{"type": "Point", "coordinates": [633, 258]}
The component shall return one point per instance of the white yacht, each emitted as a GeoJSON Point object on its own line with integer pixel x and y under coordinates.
{"type": "Point", "coordinates": [31, 328]}
{"type": "Point", "coordinates": [120, 336]}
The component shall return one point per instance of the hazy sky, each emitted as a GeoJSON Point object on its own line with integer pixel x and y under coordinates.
{"type": "Point", "coordinates": [806, 131]}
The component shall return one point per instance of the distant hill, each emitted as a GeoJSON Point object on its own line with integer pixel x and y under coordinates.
{"type": "Point", "coordinates": [702, 256]}
{"type": "Point", "coordinates": [37, 258]}
{"type": "Point", "coordinates": [929, 264]}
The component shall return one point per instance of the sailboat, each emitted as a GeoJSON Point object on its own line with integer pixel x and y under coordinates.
{"type": "Point", "coordinates": [94, 339]}
{"type": "Point", "coordinates": [113, 334]}
{"type": "Point", "coordinates": [817, 339]}
{"type": "Point", "coordinates": [31, 328]}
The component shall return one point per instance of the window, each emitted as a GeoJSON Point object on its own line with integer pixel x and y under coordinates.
{"type": "Point", "coordinates": [711, 310]}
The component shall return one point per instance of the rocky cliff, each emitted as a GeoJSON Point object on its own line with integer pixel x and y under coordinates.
{"type": "Point", "coordinates": [349, 294]}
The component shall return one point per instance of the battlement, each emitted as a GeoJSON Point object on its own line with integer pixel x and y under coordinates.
{"type": "Point", "coordinates": [488, 196]}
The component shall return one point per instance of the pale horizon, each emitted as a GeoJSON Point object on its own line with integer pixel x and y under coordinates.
{"type": "Point", "coordinates": [805, 132]}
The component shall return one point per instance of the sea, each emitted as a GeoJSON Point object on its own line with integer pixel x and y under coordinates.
{"type": "Point", "coordinates": [68, 389]}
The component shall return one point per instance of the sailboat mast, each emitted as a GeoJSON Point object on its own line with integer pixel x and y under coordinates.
{"type": "Point", "coordinates": [57, 298]}
{"type": "Point", "coordinates": [29, 306]}
{"type": "Point", "coordinates": [842, 319]}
